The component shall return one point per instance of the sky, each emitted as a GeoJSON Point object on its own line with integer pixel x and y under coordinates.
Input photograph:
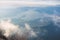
{"type": "Point", "coordinates": [29, 0]}
{"type": "Point", "coordinates": [28, 3]}
{"type": "Point", "coordinates": [29, 10]}
{"type": "Point", "coordinates": [7, 8]}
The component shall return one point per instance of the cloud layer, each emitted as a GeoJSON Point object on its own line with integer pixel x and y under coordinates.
{"type": "Point", "coordinates": [29, 0]}
{"type": "Point", "coordinates": [9, 29]}
{"type": "Point", "coordinates": [27, 3]}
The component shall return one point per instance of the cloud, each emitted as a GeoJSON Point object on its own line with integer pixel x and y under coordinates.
{"type": "Point", "coordinates": [44, 18]}
{"type": "Point", "coordinates": [12, 31]}
{"type": "Point", "coordinates": [54, 18]}
{"type": "Point", "coordinates": [7, 8]}
{"type": "Point", "coordinates": [29, 0]}
{"type": "Point", "coordinates": [31, 32]}
{"type": "Point", "coordinates": [27, 3]}
{"type": "Point", "coordinates": [8, 27]}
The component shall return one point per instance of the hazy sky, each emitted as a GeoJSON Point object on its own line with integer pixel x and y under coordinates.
{"type": "Point", "coordinates": [28, 3]}
{"type": "Point", "coordinates": [7, 8]}
{"type": "Point", "coordinates": [30, 0]}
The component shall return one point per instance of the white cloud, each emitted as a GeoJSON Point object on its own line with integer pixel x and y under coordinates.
{"type": "Point", "coordinates": [30, 30]}
{"type": "Point", "coordinates": [27, 27]}
{"type": "Point", "coordinates": [27, 3]}
{"type": "Point", "coordinates": [54, 18]}
{"type": "Point", "coordinates": [7, 7]}
{"type": "Point", "coordinates": [44, 17]}
{"type": "Point", "coordinates": [29, 0]}
{"type": "Point", "coordinates": [9, 29]}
